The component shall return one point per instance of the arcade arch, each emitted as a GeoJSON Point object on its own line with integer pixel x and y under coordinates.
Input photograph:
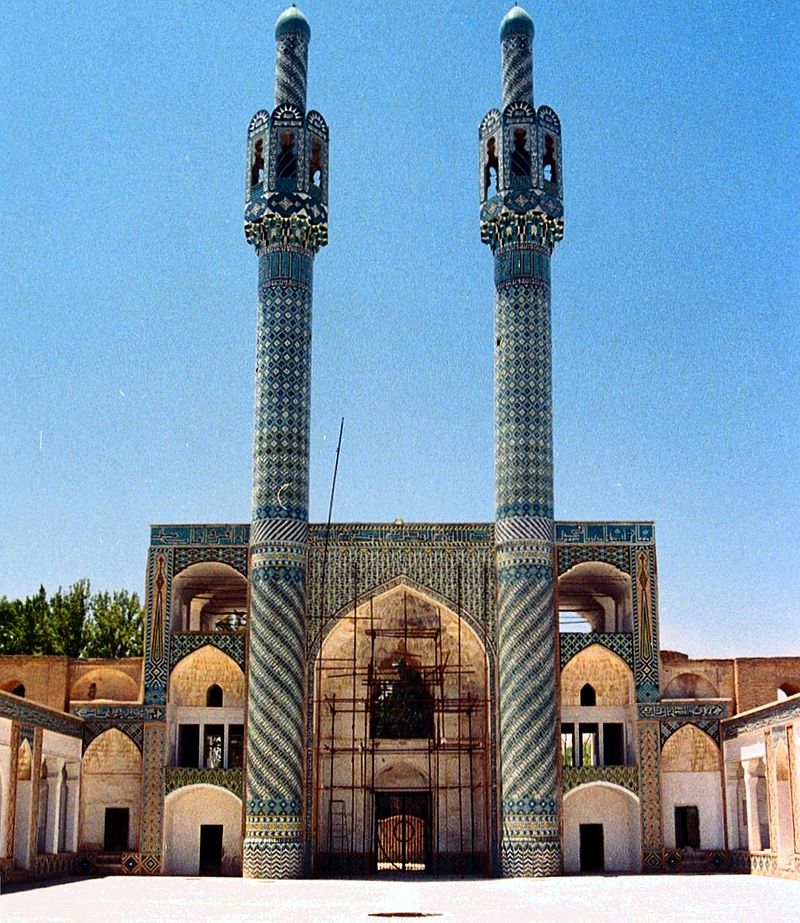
{"type": "Point", "coordinates": [596, 597]}
{"type": "Point", "coordinates": [208, 597]}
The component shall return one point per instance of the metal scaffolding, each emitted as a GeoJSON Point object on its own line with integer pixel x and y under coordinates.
{"type": "Point", "coordinates": [435, 819]}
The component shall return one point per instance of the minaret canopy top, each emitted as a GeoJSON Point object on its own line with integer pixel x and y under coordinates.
{"type": "Point", "coordinates": [517, 21]}
{"type": "Point", "coordinates": [291, 21]}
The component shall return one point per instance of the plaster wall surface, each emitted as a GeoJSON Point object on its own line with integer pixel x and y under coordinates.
{"type": "Point", "coordinates": [618, 811]}
{"type": "Point", "coordinates": [701, 789]}
{"type": "Point", "coordinates": [185, 811]}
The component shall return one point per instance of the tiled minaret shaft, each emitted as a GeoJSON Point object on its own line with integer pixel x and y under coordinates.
{"type": "Point", "coordinates": [286, 221]}
{"type": "Point", "coordinates": [521, 220]}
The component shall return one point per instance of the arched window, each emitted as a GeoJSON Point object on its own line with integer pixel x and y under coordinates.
{"type": "Point", "coordinates": [549, 168]}
{"type": "Point", "coordinates": [402, 707]}
{"type": "Point", "coordinates": [287, 159]}
{"type": "Point", "coordinates": [490, 170]}
{"type": "Point", "coordinates": [520, 156]}
{"type": "Point", "coordinates": [257, 170]}
{"type": "Point", "coordinates": [315, 167]}
{"type": "Point", "coordinates": [19, 690]}
{"type": "Point", "coordinates": [214, 696]}
{"type": "Point", "coordinates": [588, 695]}
{"type": "Point", "coordinates": [786, 690]}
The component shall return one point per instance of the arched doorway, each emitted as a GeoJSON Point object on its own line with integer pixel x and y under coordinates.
{"type": "Point", "coordinates": [601, 829]}
{"type": "Point", "coordinates": [400, 751]}
{"type": "Point", "coordinates": [202, 831]}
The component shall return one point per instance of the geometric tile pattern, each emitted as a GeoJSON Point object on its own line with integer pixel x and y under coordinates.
{"type": "Point", "coordinates": [777, 713]}
{"type": "Point", "coordinates": [523, 401]}
{"type": "Point", "coordinates": [153, 761]}
{"type": "Point", "coordinates": [291, 63]}
{"type": "Point", "coordinates": [131, 729]}
{"type": "Point", "coordinates": [27, 712]}
{"type": "Point", "coordinates": [235, 557]}
{"type": "Point", "coordinates": [708, 725]}
{"type": "Point", "coordinates": [134, 863]}
{"type": "Point", "coordinates": [649, 755]}
{"type": "Point", "coordinates": [453, 564]}
{"type": "Point", "coordinates": [185, 644]}
{"type": "Point", "coordinates": [573, 643]}
{"type": "Point", "coordinates": [452, 561]}
{"type": "Point", "coordinates": [179, 777]}
{"type": "Point", "coordinates": [527, 700]}
{"type": "Point", "coordinates": [273, 844]}
{"type": "Point", "coordinates": [157, 625]}
{"type": "Point", "coordinates": [624, 776]}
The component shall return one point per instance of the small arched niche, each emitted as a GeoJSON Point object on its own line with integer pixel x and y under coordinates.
{"type": "Point", "coordinates": [209, 597]}
{"type": "Point", "coordinates": [214, 696]}
{"type": "Point", "coordinates": [787, 689]}
{"type": "Point", "coordinates": [595, 596]}
{"type": "Point", "coordinates": [690, 686]}
{"type": "Point", "coordinates": [14, 686]}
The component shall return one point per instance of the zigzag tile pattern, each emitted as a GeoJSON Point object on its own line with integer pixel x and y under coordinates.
{"type": "Point", "coordinates": [534, 860]}
{"type": "Point", "coordinates": [272, 858]}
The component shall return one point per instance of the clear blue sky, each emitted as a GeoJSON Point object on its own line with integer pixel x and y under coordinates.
{"type": "Point", "coordinates": [128, 292]}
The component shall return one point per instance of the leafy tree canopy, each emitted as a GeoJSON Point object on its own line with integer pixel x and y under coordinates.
{"type": "Point", "coordinates": [73, 622]}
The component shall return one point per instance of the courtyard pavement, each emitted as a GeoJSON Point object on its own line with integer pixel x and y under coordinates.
{"type": "Point", "coordinates": [644, 899]}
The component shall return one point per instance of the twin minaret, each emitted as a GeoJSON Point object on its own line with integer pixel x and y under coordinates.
{"type": "Point", "coordinates": [286, 221]}
{"type": "Point", "coordinates": [521, 220]}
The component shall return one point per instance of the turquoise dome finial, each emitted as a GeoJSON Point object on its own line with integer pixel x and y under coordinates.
{"type": "Point", "coordinates": [516, 20]}
{"type": "Point", "coordinates": [292, 20]}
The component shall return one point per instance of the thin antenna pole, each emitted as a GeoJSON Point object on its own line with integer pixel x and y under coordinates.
{"type": "Point", "coordinates": [335, 470]}
{"type": "Point", "coordinates": [328, 526]}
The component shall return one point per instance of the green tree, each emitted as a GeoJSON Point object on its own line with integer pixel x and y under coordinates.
{"type": "Point", "coordinates": [9, 617]}
{"type": "Point", "coordinates": [29, 634]}
{"type": "Point", "coordinates": [67, 625]}
{"type": "Point", "coordinates": [114, 626]}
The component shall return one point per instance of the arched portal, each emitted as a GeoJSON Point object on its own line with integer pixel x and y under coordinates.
{"type": "Point", "coordinates": [400, 740]}
{"type": "Point", "coordinates": [601, 829]}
